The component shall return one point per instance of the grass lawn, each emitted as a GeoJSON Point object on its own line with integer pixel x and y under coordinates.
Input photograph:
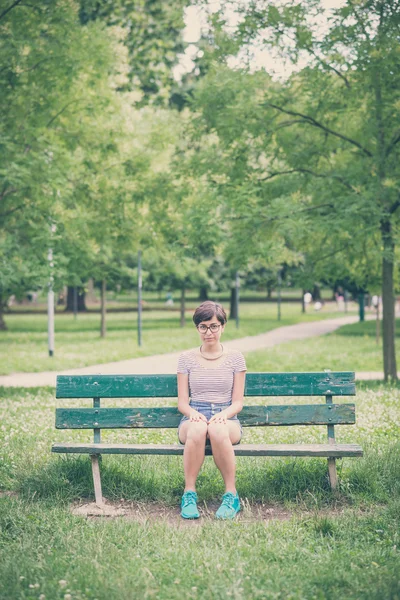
{"type": "Point", "coordinates": [128, 298]}
{"type": "Point", "coordinates": [321, 546]}
{"type": "Point", "coordinates": [331, 547]}
{"type": "Point", "coordinates": [23, 348]}
{"type": "Point", "coordinates": [350, 348]}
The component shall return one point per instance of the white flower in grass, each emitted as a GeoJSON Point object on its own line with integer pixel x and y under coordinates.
{"type": "Point", "coordinates": [62, 583]}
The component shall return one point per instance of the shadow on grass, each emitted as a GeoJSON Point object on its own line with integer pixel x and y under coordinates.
{"type": "Point", "coordinates": [283, 480]}
{"type": "Point", "coordinates": [374, 478]}
{"type": "Point", "coordinates": [69, 478]}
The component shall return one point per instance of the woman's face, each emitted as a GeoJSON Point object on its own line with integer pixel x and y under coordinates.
{"type": "Point", "coordinates": [210, 331]}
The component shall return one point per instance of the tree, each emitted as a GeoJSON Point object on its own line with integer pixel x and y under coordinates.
{"type": "Point", "coordinates": [317, 155]}
{"type": "Point", "coordinates": [108, 218]}
{"type": "Point", "coordinates": [51, 71]}
{"type": "Point", "coordinates": [351, 93]}
{"type": "Point", "coordinates": [167, 268]}
{"type": "Point", "coordinates": [153, 37]}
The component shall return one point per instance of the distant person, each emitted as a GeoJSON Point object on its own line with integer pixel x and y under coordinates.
{"type": "Point", "coordinates": [339, 301]}
{"type": "Point", "coordinates": [210, 396]}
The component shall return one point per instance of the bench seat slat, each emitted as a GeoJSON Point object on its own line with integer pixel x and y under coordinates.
{"type": "Point", "coordinates": [327, 450]}
{"type": "Point", "coordinates": [165, 386]}
{"type": "Point", "coordinates": [169, 417]}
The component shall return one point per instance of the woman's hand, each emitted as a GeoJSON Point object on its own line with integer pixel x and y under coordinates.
{"type": "Point", "coordinates": [220, 418]}
{"type": "Point", "coordinates": [195, 416]}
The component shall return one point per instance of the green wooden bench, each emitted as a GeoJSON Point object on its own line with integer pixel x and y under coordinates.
{"type": "Point", "coordinates": [97, 387]}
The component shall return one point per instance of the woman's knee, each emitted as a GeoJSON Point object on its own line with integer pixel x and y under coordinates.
{"type": "Point", "coordinates": [218, 432]}
{"type": "Point", "coordinates": [197, 431]}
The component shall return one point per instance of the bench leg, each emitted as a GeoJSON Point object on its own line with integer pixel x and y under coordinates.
{"type": "Point", "coordinates": [96, 479]}
{"type": "Point", "coordinates": [332, 473]}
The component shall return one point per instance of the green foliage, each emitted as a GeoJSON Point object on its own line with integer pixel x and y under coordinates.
{"type": "Point", "coordinates": [305, 169]}
{"type": "Point", "coordinates": [168, 270]}
{"type": "Point", "coordinates": [51, 70]}
{"type": "Point", "coordinates": [80, 160]}
{"type": "Point", "coordinates": [153, 36]}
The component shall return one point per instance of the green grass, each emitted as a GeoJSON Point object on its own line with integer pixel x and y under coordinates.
{"type": "Point", "coordinates": [334, 546]}
{"type": "Point", "coordinates": [23, 348]}
{"type": "Point", "coordinates": [350, 348]}
{"type": "Point", "coordinates": [366, 329]}
{"type": "Point", "coordinates": [128, 299]}
{"type": "Point", "coordinates": [60, 556]}
{"type": "Point", "coordinates": [343, 546]}
{"type": "Point", "coordinates": [27, 432]}
{"type": "Point", "coordinates": [335, 352]}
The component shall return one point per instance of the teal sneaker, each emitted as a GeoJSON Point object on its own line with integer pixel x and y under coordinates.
{"type": "Point", "coordinates": [230, 506]}
{"type": "Point", "coordinates": [189, 506]}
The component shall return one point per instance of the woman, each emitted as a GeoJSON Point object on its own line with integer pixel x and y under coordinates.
{"type": "Point", "coordinates": [210, 395]}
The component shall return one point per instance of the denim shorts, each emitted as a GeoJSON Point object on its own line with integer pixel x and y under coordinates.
{"type": "Point", "coordinates": [209, 409]}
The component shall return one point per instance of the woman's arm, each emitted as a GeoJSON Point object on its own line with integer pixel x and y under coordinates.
{"type": "Point", "coordinates": [237, 394]}
{"type": "Point", "coordinates": [183, 394]}
{"type": "Point", "coordinates": [183, 399]}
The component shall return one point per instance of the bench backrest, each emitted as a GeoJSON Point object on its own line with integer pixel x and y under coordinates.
{"type": "Point", "coordinates": [165, 386]}
{"type": "Point", "coordinates": [326, 384]}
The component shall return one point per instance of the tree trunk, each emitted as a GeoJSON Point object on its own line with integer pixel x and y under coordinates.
{"type": "Point", "coordinates": [232, 307]}
{"type": "Point", "coordinates": [316, 293]}
{"type": "Point", "coordinates": [269, 291]}
{"type": "Point", "coordinates": [361, 306]}
{"type": "Point", "coordinates": [203, 293]}
{"type": "Point", "coordinates": [91, 296]}
{"type": "Point", "coordinates": [388, 303]}
{"type": "Point", "coordinates": [303, 304]}
{"type": "Point", "coordinates": [182, 322]}
{"type": "Point", "coordinates": [388, 317]}
{"type": "Point", "coordinates": [103, 309]}
{"type": "Point", "coordinates": [70, 299]}
{"type": "Point", "coordinates": [3, 324]}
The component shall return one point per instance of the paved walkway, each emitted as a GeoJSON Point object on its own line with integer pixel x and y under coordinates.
{"type": "Point", "coordinates": [166, 363]}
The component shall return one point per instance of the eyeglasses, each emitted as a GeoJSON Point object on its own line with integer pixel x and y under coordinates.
{"type": "Point", "coordinates": [214, 327]}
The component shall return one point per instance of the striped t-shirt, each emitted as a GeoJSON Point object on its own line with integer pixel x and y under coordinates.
{"type": "Point", "coordinates": [212, 384]}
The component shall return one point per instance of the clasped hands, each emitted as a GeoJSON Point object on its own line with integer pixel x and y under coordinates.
{"type": "Point", "coordinates": [219, 418]}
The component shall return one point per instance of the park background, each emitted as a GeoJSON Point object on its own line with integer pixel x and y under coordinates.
{"type": "Point", "coordinates": [217, 143]}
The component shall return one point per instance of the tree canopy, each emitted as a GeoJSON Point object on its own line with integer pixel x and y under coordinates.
{"type": "Point", "coordinates": [307, 169]}
{"type": "Point", "coordinates": [252, 173]}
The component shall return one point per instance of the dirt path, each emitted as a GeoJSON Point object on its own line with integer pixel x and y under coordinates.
{"type": "Point", "coordinates": [166, 363]}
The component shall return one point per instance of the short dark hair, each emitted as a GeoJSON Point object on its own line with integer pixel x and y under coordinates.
{"type": "Point", "coordinates": [207, 310]}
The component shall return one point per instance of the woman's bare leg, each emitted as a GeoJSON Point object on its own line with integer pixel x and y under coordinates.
{"type": "Point", "coordinates": [222, 437]}
{"type": "Point", "coordinates": [193, 435]}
